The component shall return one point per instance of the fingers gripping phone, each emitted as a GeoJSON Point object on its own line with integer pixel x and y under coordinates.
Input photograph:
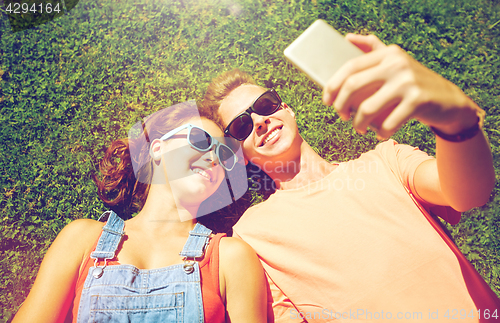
{"type": "Point", "coordinates": [320, 51]}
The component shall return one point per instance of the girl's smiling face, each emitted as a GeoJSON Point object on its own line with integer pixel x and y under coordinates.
{"type": "Point", "coordinates": [193, 175]}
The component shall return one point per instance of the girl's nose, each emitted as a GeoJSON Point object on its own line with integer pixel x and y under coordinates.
{"type": "Point", "coordinates": [211, 158]}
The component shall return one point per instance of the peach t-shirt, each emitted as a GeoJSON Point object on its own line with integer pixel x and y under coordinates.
{"type": "Point", "coordinates": [355, 247]}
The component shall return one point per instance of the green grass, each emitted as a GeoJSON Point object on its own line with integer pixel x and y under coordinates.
{"type": "Point", "coordinates": [70, 86]}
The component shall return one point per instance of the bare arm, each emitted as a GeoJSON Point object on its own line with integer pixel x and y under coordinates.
{"type": "Point", "coordinates": [387, 88]}
{"type": "Point", "coordinates": [243, 285]}
{"type": "Point", "coordinates": [52, 292]}
{"type": "Point", "coordinates": [462, 175]}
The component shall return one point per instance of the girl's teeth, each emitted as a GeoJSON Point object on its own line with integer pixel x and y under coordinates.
{"type": "Point", "coordinates": [201, 172]}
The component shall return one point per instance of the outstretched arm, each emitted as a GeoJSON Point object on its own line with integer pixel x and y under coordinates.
{"type": "Point", "coordinates": [386, 87]}
{"type": "Point", "coordinates": [243, 284]}
{"type": "Point", "coordinates": [53, 290]}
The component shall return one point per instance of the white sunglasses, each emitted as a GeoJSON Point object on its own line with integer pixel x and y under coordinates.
{"type": "Point", "coordinates": [201, 140]}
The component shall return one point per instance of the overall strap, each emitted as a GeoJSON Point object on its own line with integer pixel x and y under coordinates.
{"type": "Point", "coordinates": [197, 242]}
{"type": "Point", "coordinates": [111, 236]}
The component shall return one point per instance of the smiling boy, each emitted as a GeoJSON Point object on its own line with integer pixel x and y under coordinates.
{"type": "Point", "coordinates": [353, 241]}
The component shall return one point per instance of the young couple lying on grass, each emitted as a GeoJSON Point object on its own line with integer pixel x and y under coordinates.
{"type": "Point", "coordinates": [349, 241]}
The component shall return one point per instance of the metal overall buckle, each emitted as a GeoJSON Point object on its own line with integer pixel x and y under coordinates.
{"type": "Point", "coordinates": [98, 271]}
{"type": "Point", "coordinates": [189, 265]}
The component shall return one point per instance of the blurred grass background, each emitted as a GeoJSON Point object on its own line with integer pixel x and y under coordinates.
{"type": "Point", "coordinates": [70, 86]}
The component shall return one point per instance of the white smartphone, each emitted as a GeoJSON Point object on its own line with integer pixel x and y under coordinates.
{"type": "Point", "coordinates": [320, 51]}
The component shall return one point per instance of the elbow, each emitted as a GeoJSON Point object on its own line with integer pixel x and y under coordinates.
{"type": "Point", "coordinates": [465, 207]}
{"type": "Point", "coordinates": [476, 197]}
{"type": "Point", "coordinates": [485, 191]}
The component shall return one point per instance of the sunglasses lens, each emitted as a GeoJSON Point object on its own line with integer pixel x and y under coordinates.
{"type": "Point", "coordinates": [267, 104]}
{"type": "Point", "coordinates": [226, 157]}
{"type": "Point", "coordinates": [241, 127]}
{"type": "Point", "coordinates": [200, 139]}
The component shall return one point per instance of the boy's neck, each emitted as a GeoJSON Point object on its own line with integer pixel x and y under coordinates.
{"type": "Point", "coordinates": [308, 167]}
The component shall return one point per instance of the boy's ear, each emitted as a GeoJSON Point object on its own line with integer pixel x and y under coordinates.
{"type": "Point", "coordinates": [287, 108]}
{"type": "Point", "coordinates": [155, 150]}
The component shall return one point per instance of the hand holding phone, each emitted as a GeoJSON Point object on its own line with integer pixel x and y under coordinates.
{"type": "Point", "coordinates": [320, 51]}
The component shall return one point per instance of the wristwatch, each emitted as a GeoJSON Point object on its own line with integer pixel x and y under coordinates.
{"type": "Point", "coordinates": [462, 135]}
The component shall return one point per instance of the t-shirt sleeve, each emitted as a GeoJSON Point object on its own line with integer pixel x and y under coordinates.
{"type": "Point", "coordinates": [403, 161]}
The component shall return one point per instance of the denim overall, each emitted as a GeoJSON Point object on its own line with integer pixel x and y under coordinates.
{"type": "Point", "coordinates": [123, 293]}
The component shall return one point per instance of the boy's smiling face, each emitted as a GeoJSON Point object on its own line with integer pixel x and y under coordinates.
{"type": "Point", "coordinates": [273, 137]}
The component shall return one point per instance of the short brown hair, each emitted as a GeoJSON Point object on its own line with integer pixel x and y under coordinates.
{"type": "Point", "coordinates": [219, 89]}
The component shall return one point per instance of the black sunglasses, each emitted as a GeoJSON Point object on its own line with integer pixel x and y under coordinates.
{"type": "Point", "coordinates": [242, 125]}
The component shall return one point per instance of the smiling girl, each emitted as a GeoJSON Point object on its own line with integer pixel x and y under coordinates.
{"type": "Point", "coordinates": [160, 265]}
